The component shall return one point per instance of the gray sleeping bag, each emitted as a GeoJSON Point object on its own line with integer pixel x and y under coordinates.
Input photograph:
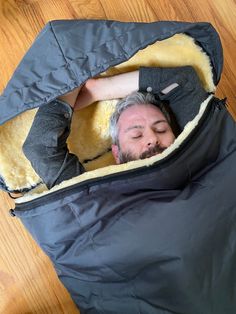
{"type": "Point", "coordinates": [154, 236]}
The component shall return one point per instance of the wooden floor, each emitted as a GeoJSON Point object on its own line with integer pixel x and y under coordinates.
{"type": "Point", "coordinates": [28, 283]}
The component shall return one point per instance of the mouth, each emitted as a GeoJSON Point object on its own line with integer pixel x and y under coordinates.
{"type": "Point", "coordinates": [152, 152]}
{"type": "Point", "coordinates": [157, 153]}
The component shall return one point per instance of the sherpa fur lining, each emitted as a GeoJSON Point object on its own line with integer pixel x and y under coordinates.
{"type": "Point", "coordinates": [89, 136]}
{"type": "Point", "coordinates": [14, 167]}
{"type": "Point", "coordinates": [123, 167]}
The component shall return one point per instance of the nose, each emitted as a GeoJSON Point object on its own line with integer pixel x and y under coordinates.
{"type": "Point", "coordinates": [152, 139]}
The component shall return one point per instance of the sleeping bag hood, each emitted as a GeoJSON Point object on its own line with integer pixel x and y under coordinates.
{"type": "Point", "coordinates": [150, 236]}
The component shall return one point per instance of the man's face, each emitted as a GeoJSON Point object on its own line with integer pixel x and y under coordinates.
{"type": "Point", "coordinates": [142, 132]}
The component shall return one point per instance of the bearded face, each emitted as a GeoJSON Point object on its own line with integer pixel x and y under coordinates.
{"type": "Point", "coordinates": [143, 132]}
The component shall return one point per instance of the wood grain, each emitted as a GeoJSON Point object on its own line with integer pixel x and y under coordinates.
{"type": "Point", "coordinates": [28, 283]}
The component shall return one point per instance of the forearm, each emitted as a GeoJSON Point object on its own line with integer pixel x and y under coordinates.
{"type": "Point", "coordinates": [146, 79]}
{"type": "Point", "coordinates": [162, 81]}
{"type": "Point", "coordinates": [46, 147]}
{"type": "Point", "coordinates": [118, 86]}
{"type": "Point", "coordinates": [159, 81]}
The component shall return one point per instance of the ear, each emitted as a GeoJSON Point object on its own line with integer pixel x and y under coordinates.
{"type": "Point", "coordinates": [115, 152]}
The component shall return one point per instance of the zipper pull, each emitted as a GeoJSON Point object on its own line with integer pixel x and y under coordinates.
{"type": "Point", "coordinates": [12, 212]}
{"type": "Point", "coordinates": [221, 102]}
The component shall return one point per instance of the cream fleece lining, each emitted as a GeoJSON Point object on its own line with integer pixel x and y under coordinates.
{"type": "Point", "coordinates": [89, 136]}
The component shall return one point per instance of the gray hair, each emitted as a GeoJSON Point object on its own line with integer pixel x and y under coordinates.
{"type": "Point", "coordinates": [136, 98]}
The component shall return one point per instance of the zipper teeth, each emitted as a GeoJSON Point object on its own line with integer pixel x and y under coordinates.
{"type": "Point", "coordinates": [135, 172]}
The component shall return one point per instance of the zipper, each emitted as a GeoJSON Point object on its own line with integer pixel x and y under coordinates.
{"type": "Point", "coordinates": [213, 104]}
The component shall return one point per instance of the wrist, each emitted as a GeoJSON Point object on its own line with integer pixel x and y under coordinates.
{"type": "Point", "coordinates": [92, 89]}
{"type": "Point", "coordinates": [70, 97]}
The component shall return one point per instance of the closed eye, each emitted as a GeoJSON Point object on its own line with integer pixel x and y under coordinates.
{"type": "Point", "coordinates": [160, 131]}
{"type": "Point", "coordinates": [137, 136]}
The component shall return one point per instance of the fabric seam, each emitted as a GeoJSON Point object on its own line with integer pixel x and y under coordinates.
{"type": "Point", "coordinates": [67, 63]}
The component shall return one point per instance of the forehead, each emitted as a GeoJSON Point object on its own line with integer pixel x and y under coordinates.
{"type": "Point", "coordinates": [142, 114]}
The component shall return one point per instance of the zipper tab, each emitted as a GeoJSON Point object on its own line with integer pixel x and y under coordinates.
{"type": "Point", "coordinates": [12, 212]}
{"type": "Point", "coordinates": [221, 102]}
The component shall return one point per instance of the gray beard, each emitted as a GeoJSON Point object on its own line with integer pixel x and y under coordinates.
{"type": "Point", "coordinates": [128, 156]}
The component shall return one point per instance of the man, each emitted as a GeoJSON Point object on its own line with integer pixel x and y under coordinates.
{"type": "Point", "coordinates": [140, 127]}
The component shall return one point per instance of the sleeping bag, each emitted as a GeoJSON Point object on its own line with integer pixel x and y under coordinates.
{"type": "Point", "coordinates": [149, 236]}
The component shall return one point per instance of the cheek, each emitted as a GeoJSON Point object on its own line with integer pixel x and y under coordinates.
{"type": "Point", "coordinates": [166, 139]}
{"type": "Point", "coordinates": [127, 145]}
{"type": "Point", "coordinates": [169, 139]}
{"type": "Point", "coordinates": [130, 146]}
